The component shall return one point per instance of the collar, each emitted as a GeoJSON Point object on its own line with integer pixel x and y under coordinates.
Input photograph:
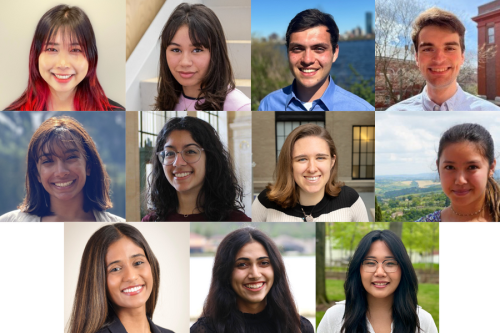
{"type": "Point", "coordinates": [449, 105]}
{"type": "Point", "coordinates": [326, 100]}
{"type": "Point", "coordinates": [116, 326]}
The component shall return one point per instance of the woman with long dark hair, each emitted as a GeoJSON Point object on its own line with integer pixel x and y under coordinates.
{"type": "Point", "coordinates": [118, 284]}
{"type": "Point", "coordinates": [381, 291]}
{"type": "Point", "coordinates": [63, 66]}
{"type": "Point", "coordinates": [249, 291]}
{"type": "Point", "coordinates": [66, 180]}
{"type": "Point", "coordinates": [195, 71]}
{"type": "Point", "coordinates": [193, 177]}
{"type": "Point", "coordinates": [466, 166]}
{"type": "Point", "coordinates": [306, 187]}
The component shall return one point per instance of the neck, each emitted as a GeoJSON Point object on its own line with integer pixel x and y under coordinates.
{"type": "Point", "coordinates": [134, 320]}
{"type": "Point", "coordinates": [251, 308]}
{"type": "Point", "coordinates": [61, 101]}
{"type": "Point", "coordinates": [379, 306]}
{"type": "Point", "coordinates": [191, 91]}
{"type": "Point", "coordinates": [187, 203]}
{"type": "Point", "coordinates": [467, 212]}
{"type": "Point", "coordinates": [309, 94]}
{"type": "Point", "coordinates": [441, 95]}
{"type": "Point", "coordinates": [310, 199]}
{"type": "Point", "coordinates": [68, 211]}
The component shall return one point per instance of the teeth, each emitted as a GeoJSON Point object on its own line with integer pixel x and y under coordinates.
{"type": "Point", "coordinates": [64, 184]}
{"type": "Point", "coordinates": [308, 70]}
{"type": "Point", "coordinates": [439, 69]}
{"type": "Point", "coordinates": [131, 290]}
{"type": "Point", "coordinates": [312, 178]}
{"type": "Point", "coordinates": [63, 76]}
{"type": "Point", "coordinates": [254, 286]}
{"type": "Point", "coordinates": [180, 175]}
{"type": "Point", "coordinates": [381, 284]}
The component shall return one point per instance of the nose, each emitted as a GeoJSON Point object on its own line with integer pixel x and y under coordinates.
{"type": "Point", "coordinates": [254, 272]}
{"type": "Point", "coordinates": [308, 57]}
{"type": "Point", "coordinates": [129, 274]}
{"type": "Point", "coordinates": [186, 59]}
{"type": "Point", "coordinates": [179, 160]}
{"type": "Point", "coordinates": [61, 169]}
{"type": "Point", "coordinates": [312, 166]}
{"type": "Point", "coordinates": [439, 56]}
{"type": "Point", "coordinates": [460, 180]}
{"type": "Point", "coordinates": [62, 61]}
{"type": "Point", "coordinates": [380, 270]}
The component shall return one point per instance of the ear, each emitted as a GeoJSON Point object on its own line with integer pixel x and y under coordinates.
{"type": "Point", "coordinates": [38, 177]}
{"type": "Point", "coordinates": [335, 54]}
{"type": "Point", "coordinates": [492, 167]}
{"type": "Point", "coordinates": [437, 166]}
{"type": "Point", "coordinates": [416, 58]}
{"type": "Point", "coordinates": [463, 59]}
{"type": "Point", "coordinates": [88, 170]}
{"type": "Point", "coordinates": [333, 161]}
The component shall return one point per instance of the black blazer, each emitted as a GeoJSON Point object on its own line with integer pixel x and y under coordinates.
{"type": "Point", "coordinates": [117, 327]}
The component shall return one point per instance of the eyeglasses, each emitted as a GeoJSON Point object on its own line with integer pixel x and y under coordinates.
{"type": "Point", "coordinates": [191, 154]}
{"type": "Point", "coordinates": [370, 266]}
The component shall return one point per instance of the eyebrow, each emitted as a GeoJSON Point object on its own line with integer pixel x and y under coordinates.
{"type": "Point", "coordinates": [373, 257]}
{"type": "Point", "coordinates": [325, 45]}
{"type": "Point", "coordinates": [423, 44]}
{"type": "Point", "coordinates": [66, 152]}
{"type": "Point", "coordinates": [247, 259]}
{"type": "Point", "coordinates": [57, 44]}
{"type": "Point", "coordinates": [468, 162]}
{"type": "Point", "coordinates": [189, 144]}
{"type": "Point", "coordinates": [306, 155]}
{"type": "Point", "coordinates": [131, 257]}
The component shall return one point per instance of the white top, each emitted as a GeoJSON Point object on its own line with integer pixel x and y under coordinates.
{"type": "Point", "coordinates": [333, 320]}
{"type": "Point", "coordinates": [18, 216]}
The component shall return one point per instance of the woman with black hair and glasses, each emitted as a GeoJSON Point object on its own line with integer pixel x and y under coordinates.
{"type": "Point", "coordinates": [193, 177]}
{"type": "Point", "coordinates": [381, 291]}
{"type": "Point", "coordinates": [249, 292]}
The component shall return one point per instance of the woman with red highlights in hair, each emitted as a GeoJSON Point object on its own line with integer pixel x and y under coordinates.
{"type": "Point", "coordinates": [63, 65]}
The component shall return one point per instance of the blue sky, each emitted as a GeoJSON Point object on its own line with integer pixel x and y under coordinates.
{"type": "Point", "coordinates": [406, 143]}
{"type": "Point", "coordinates": [270, 16]}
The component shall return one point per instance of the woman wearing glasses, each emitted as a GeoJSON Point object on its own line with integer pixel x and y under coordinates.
{"type": "Point", "coordinates": [193, 177]}
{"type": "Point", "coordinates": [381, 291]}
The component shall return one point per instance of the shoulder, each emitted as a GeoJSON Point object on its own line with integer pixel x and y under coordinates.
{"type": "Point", "coordinates": [18, 216]}
{"type": "Point", "coordinates": [201, 326]}
{"type": "Point", "coordinates": [410, 104]}
{"type": "Point", "coordinates": [351, 101]}
{"type": "Point", "coordinates": [306, 326]}
{"type": "Point", "coordinates": [238, 216]}
{"type": "Point", "coordinates": [275, 100]}
{"type": "Point", "coordinates": [426, 321]}
{"type": "Point", "coordinates": [116, 106]}
{"type": "Point", "coordinates": [346, 198]}
{"type": "Point", "coordinates": [236, 100]}
{"type": "Point", "coordinates": [474, 103]}
{"type": "Point", "coordinates": [103, 216]}
{"type": "Point", "coordinates": [332, 320]}
{"type": "Point", "coordinates": [432, 217]}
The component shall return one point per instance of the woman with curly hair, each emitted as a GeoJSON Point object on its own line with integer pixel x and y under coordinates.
{"type": "Point", "coordinates": [193, 177]}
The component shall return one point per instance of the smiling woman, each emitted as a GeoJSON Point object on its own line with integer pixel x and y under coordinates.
{"type": "Point", "coordinates": [306, 188]}
{"type": "Point", "coordinates": [66, 180]}
{"type": "Point", "coordinates": [118, 283]}
{"type": "Point", "coordinates": [62, 66]}
{"type": "Point", "coordinates": [381, 291]}
{"type": "Point", "coordinates": [193, 177]}
{"type": "Point", "coordinates": [249, 291]}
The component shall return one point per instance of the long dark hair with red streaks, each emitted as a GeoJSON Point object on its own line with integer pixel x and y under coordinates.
{"type": "Point", "coordinates": [73, 23]}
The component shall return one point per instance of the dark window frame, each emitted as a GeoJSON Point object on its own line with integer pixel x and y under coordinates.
{"type": "Point", "coordinates": [359, 152]}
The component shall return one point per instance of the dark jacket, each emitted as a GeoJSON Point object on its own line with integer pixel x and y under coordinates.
{"type": "Point", "coordinates": [116, 326]}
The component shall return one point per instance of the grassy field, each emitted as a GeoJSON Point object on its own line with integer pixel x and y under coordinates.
{"type": "Point", "coordinates": [428, 298]}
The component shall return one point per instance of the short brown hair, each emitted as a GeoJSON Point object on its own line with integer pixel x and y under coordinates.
{"type": "Point", "coordinates": [284, 191]}
{"type": "Point", "coordinates": [440, 18]}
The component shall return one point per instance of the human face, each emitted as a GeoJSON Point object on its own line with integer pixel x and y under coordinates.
{"type": "Point", "coordinates": [187, 63]}
{"type": "Point", "coordinates": [128, 274]}
{"type": "Point", "coordinates": [184, 177]}
{"type": "Point", "coordinates": [310, 57]}
{"type": "Point", "coordinates": [312, 164]}
{"type": "Point", "coordinates": [64, 174]}
{"type": "Point", "coordinates": [252, 278]}
{"type": "Point", "coordinates": [62, 65]}
{"type": "Point", "coordinates": [380, 284]}
{"type": "Point", "coordinates": [439, 56]}
{"type": "Point", "coordinates": [464, 173]}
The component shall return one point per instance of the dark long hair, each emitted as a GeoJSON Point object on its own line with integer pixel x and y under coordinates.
{"type": "Point", "coordinates": [404, 309]}
{"type": "Point", "coordinates": [221, 309]}
{"type": "Point", "coordinates": [480, 136]}
{"type": "Point", "coordinates": [92, 309]}
{"type": "Point", "coordinates": [89, 93]}
{"type": "Point", "coordinates": [220, 194]}
{"type": "Point", "coordinates": [64, 132]}
{"type": "Point", "coordinates": [205, 30]}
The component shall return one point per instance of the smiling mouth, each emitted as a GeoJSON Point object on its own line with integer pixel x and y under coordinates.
{"type": "Point", "coordinates": [182, 174]}
{"type": "Point", "coordinates": [64, 184]}
{"type": "Point", "coordinates": [380, 284]}
{"type": "Point", "coordinates": [254, 286]}
{"type": "Point", "coordinates": [461, 192]}
{"type": "Point", "coordinates": [439, 70]}
{"type": "Point", "coordinates": [63, 77]}
{"type": "Point", "coordinates": [186, 75]}
{"type": "Point", "coordinates": [312, 179]}
{"type": "Point", "coordinates": [133, 290]}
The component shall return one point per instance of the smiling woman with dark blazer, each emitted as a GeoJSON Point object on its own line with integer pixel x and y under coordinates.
{"type": "Point", "coordinates": [118, 284]}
